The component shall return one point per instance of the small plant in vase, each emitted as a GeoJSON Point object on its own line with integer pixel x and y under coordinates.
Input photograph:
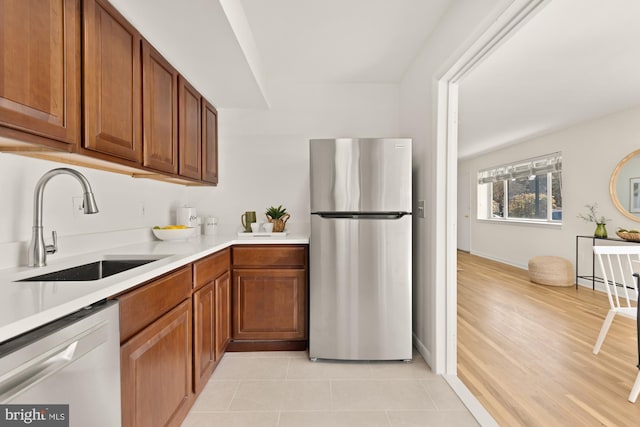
{"type": "Point", "coordinates": [278, 217]}
{"type": "Point", "coordinates": [600, 220]}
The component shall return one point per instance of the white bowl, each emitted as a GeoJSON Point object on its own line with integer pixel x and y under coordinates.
{"type": "Point", "coordinates": [173, 234]}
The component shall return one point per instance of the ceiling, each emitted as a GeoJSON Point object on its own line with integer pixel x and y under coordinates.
{"type": "Point", "coordinates": [231, 49]}
{"type": "Point", "coordinates": [198, 39]}
{"type": "Point", "coordinates": [573, 61]}
{"type": "Point", "coordinates": [341, 41]}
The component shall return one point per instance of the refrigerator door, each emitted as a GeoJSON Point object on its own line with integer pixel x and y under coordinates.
{"type": "Point", "coordinates": [360, 288]}
{"type": "Point", "coordinates": [360, 175]}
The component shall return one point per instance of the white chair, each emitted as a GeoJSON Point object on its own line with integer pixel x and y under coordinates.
{"type": "Point", "coordinates": [617, 266]}
{"type": "Point", "coordinates": [635, 390]}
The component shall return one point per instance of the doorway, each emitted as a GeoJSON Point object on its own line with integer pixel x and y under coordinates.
{"type": "Point", "coordinates": [512, 19]}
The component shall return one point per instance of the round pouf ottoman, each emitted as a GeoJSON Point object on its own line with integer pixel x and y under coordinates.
{"type": "Point", "coordinates": [551, 270]}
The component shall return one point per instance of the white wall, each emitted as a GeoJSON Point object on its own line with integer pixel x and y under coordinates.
{"type": "Point", "coordinates": [263, 159]}
{"type": "Point", "coordinates": [461, 25]}
{"type": "Point", "coordinates": [590, 152]}
{"type": "Point", "coordinates": [264, 154]}
{"type": "Point", "coordinates": [120, 199]}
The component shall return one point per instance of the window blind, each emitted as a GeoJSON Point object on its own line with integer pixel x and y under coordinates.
{"type": "Point", "coordinates": [527, 168]}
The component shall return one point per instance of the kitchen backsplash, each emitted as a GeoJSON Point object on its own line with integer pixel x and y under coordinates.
{"type": "Point", "coordinates": [14, 254]}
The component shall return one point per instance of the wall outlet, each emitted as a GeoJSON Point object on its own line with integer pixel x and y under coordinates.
{"type": "Point", "coordinates": [141, 209]}
{"type": "Point", "coordinates": [78, 206]}
{"type": "Point", "coordinates": [420, 212]}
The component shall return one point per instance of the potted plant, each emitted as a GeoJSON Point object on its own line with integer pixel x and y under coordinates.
{"type": "Point", "coordinates": [278, 217]}
{"type": "Point", "coordinates": [600, 220]}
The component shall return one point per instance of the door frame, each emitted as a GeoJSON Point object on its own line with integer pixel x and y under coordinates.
{"type": "Point", "coordinates": [516, 14]}
{"type": "Point", "coordinates": [464, 230]}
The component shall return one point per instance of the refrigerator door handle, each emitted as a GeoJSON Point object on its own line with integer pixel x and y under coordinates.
{"type": "Point", "coordinates": [360, 215]}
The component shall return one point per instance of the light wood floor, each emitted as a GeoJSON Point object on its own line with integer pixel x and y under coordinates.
{"type": "Point", "coordinates": [524, 350]}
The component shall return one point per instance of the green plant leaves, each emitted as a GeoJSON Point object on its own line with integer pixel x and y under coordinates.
{"type": "Point", "coordinates": [276, 213]}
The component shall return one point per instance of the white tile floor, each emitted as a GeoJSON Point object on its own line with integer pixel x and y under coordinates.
{"type": "Point", "coordinates": [285, 389]}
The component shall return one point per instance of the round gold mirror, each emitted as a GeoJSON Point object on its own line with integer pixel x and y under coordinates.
{"type": "Point", "coordinates": [624, 187]}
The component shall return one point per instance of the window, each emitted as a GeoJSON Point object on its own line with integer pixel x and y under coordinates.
{"type": "Point", "coordinates": [528, 190]}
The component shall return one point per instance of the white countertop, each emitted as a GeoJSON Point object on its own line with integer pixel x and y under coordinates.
{"type": "Point", "coordinates": [28, 305]}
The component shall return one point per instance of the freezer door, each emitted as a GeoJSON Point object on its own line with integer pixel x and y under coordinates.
{"type": "Point", "coordinates": [360, 288]}
{"type": "Point", "coordinates": [365, 175]}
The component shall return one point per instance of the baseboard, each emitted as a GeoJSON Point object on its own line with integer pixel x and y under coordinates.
{"type": "Point", "coordinates": [582, 283]}
{"type": "Point", "coordinates": [469, 400]}
{"type": "Point", "coordinates": [501, 260]}
{"type": "Point", "coordinates": [599, 287]}
{"type": "Point", "coordinates": [424, 351]}
{"type": "Point", "coordinates": [267, 346]}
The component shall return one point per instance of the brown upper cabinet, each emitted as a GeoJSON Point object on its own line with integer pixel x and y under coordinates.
{"type": "Point", "coordinates": [190, 136]}
{"type": "Point", "coordinates": [160, 111]}
{"type": "Point", "coordinates": [79, 85]}
{"type": "Point", "coordinates": [112, 83]}
{"type": "Point", "coordinates": [209, 143]}
{"type": "Point", "coordinates": [40, 71]}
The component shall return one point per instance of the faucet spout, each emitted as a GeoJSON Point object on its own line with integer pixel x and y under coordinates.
{"type": "Point", "coordinates": [37, 249]}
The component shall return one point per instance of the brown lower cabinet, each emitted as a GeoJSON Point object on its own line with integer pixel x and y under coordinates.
{"type": "Point", "coordinates": [155, 368]}
{"type": "Point", "coordinates": [269, 304]}
{"type": "Point", "coordinates": [156, 351]}
{"type": "Point", "coordinates": [222, 289]}
{"type": "Point", "coordinates": [175, 329]}
{"type": "Point", "coordinates": [204, 355]}
{"type": "Point", "coordinates": [211, 314]}
{"type": "Point", "coordinates": [211, 327]}
{"type": "Point", "coordinates": [269, 297]}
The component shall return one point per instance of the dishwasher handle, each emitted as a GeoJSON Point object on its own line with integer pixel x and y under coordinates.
{"type": "Point", "coordinates": [22, 378]}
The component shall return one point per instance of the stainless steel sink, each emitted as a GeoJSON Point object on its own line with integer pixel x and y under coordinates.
{"type": "Point", "coordinates": [93, 271]}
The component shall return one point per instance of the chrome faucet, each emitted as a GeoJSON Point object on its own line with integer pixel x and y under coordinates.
{"type": "Point", "coordinates": [37, 249]}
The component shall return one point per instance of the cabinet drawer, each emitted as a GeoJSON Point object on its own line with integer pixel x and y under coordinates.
{"type": "Point", "coordinates": [147, 303]}
{"type": "Point", "coordinates": [211, 267]}
{"type": "Point", "coordinates": [269, 256]}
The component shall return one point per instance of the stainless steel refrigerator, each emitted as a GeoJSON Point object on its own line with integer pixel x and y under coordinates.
{"type": "Point", "coordinates": [360, 249]}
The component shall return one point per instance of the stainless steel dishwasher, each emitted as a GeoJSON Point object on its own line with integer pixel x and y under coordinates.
{"type": "Point", "coordinates": [72, 361]}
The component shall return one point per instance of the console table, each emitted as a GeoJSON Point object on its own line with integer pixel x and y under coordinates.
{"type": "Point", "coordinates": [594, 241]}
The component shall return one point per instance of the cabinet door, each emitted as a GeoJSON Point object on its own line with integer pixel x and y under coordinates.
{"type": "Point", "coordinates": [160, 111]}
{"type": "Point", "coordinates": [40, 67]}
{"type": "Point", "coordinates": [189, 139]}
{"type": "Point", "coordinates": [145, 304]}
{"type": "Point", "coordinates": [156, 371]}
{"type": "Point", "coordinates": [203, 336]}
{"type": "Point", "coordinates": [112, 87]}
{"type": "Point", "coordinates": [209, 143]}
{"type": "Point", "coordinates": [222, 286]}
{"type": "Point", "coordinates": [269, 304]}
